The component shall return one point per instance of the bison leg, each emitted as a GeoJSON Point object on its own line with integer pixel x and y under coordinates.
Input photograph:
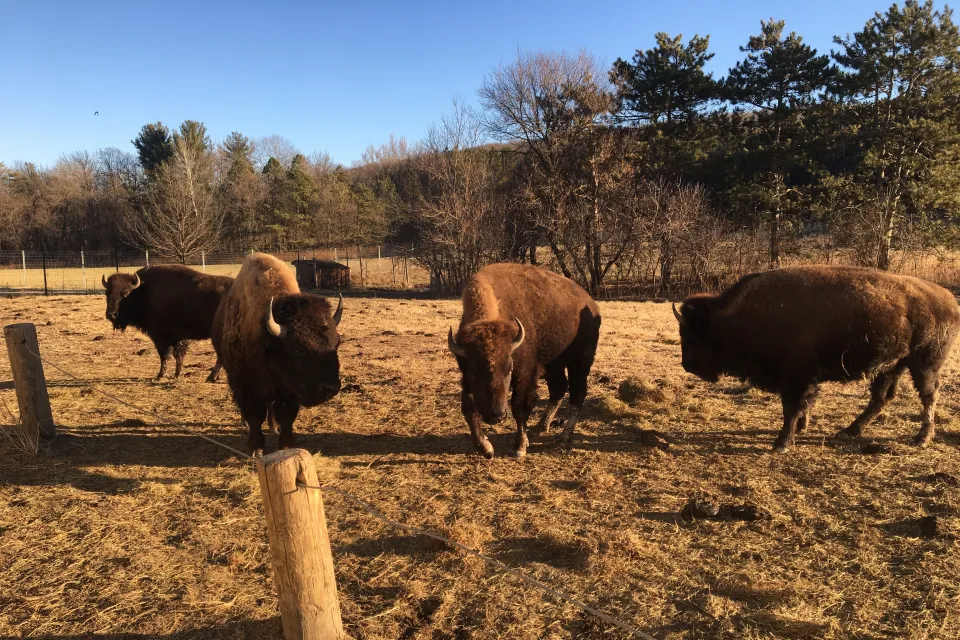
{"type": "Point", "coordinates": [522, 402]}
{"type": "Point", "coordinates": [578, 372]}
{"type": "Point", "coordinates": [164, 351]}
{"type": "Point", "coordinates": [215, 372]}
{"type": "Point", "coordinates": [804, 419]}
{"type": "Point", "coordinates": [179, 351]}
{"type": "Point", "coordinates": [253, 412]}
{"type": "Point", "coordinates": [557, 385]}
{"type": "Point", "coordinates": [796, 402]}
{"type": "Point", "coordinates": [271, 420]}
{"type": "Point", "coordinates": [285, 412]}
{"type": "Point", "coordinates": [882, 390]}
{"type": "Point", "coordinates": [927, 382]}
{"type": "Point", "coordinates": [470, 414]}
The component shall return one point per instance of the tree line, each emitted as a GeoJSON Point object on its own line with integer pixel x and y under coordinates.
{"type": "Point", "coordinates": [652, 173]}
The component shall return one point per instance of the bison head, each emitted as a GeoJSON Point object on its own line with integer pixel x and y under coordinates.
{"type": "Point", "coordinates": [302, 344]}
{"type": "Point", "coordinates": [699, 355]}
{"type": "Point", "coordinates": [485, 356]}
{"type": "Point", "coordinates": [119, 286]}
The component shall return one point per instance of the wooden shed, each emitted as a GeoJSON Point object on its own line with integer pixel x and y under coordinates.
{"type": "Point", "coordinates": [321, 274]}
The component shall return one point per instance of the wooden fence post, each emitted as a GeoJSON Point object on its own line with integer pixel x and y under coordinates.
{"type": "Point", "coordinates": [36, 417]}
{"type": "Point", "coordinates": [302, 562]}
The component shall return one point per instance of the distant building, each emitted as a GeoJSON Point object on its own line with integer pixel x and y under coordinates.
{"type": "Point", "coordinates": [322, 274]}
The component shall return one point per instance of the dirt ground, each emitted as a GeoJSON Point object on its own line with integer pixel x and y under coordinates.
{"type": "Point", "coordinates": [125, 528]}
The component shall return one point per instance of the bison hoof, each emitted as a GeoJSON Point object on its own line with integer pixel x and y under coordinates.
{"type": "Point", "coordinates": [923, 440]}
{"type": "Point", "coordinates": [485, 449]}
{"type": "Point", "coordinates": [212, 378]}
{"type": "Point", "coordinates": [780, 448]}
{"type": "Point", "coordinates": [256, 453]}
{"type": "Point", "coordinates": [848, 434]}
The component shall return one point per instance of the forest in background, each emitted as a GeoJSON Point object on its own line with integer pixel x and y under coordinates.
{"type": "Point", "coordinates": [651, 175]}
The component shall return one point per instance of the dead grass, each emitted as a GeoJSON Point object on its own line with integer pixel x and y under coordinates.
{"type": "Point", "coordinates": [123, 526]}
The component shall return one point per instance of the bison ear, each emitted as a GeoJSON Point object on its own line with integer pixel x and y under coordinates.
{"type": "Point", "coordinates": [695, 315]}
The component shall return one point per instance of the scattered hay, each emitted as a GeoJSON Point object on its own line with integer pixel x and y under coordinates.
{"type": "Point", "coordinates": [121, 527]}
{"type": "Point", "coordinates": [636, 391]}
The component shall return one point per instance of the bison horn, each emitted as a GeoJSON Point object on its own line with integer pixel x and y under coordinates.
{"type": "Point", "coordinates": [103, 279]}
{"type": "Point", "coordinates": [137, 282]}
{"type": "Point", "coordinates": [677, 314]}
{"type": "Point", "coordinates": [456, 349]}
{"type": "Point", "coordinates": [275, 329]}
{"type": "Point", "coordinates": [339, 312]}
{"type": "Point", "coordinates": [521, 334]}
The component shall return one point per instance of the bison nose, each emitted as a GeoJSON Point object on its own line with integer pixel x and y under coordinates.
{"type": "Point", "coordinates": [331, 389]}
{"type": "Point", "coordinates": [111, 315]}
{"type": "Point", "coordinates": [499, 415]}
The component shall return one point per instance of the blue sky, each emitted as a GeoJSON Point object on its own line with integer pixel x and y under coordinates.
{"type": "Point", "coordinates": [332, 77]}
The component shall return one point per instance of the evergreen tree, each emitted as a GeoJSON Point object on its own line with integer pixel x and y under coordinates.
{"type": "Point", "coordinates": [777, 82]}
{"type": "Point", "coordinates": [900, 78]}
{"type": "Point", "coordinates": [154, 146]}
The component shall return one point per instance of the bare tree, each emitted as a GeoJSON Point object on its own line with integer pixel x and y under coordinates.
{"type": "Point", "coordinates": [554, 106]}
{"type": "Point", "coordinates": [180, 218]}
{"type": "Point", "coordinates": [274, 146]}
{"type": "Point", "coordinates": [457, 216]}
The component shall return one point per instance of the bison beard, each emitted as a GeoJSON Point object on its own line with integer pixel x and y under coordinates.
{"type": "Point", "coordinates": [521, 323]}
{"type": "Point", "coordinates": [788, 330]}
{"type": "Point", "coordinates": [170, 304]}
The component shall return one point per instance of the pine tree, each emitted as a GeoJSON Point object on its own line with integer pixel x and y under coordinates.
{"type": "Point", "coordinates": [778, 81]}
{"type": "Point", "coordinates": [900, 78]}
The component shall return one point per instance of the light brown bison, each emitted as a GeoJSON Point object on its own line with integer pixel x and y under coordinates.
{"type": "Point", "coordinates": [788, 330]}
{"type": "Point", "coordinates": [520, 323]}
{"type": "Point", "coordinates": [279, 347]}
{"type": "Point", "coordinates": [172, 304]}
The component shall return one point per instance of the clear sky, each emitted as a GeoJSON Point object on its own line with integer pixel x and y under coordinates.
{"type": "Point", "coordinates": [332, 77]}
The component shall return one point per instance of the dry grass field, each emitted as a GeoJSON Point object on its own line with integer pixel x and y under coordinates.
{"type": "Point", "coordinates": [125, 528]}
{"type": "Point", "coordinates": [376, 273]}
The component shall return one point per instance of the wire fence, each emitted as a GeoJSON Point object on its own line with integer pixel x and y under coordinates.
{"type": "Point", "coordinates": [76, 272]}
{"type": "Point", "coordinates": [370, 509]}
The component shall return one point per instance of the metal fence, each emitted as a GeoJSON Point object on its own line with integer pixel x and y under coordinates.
{"type": "Point", "coordinates": [40, 272]}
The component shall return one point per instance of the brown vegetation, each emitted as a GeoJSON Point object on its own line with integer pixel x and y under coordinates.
{"type": "Point", "coordinates": [126, 526]}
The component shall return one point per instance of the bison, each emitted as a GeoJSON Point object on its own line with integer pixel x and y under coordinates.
{"type": "Point", "coordinates": [171, 304]}
{"type": "Point", "coordinates": [520, 323]}
{"type": "Point", "coordinates": [788, 330]}
{"type": "Point", "coordinates": [279, 347]}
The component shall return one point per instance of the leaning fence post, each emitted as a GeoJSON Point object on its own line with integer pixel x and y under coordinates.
{"type": "Point", "coordinates": [203, 261]}
{"type": "Point", "coordinates": [83, 270]}
{"type": "Point", "coordinates": [23, 349]}
{"type": "Point", "coordinates": [146, 256]}
{"type": "Point", "coordinates": [302, 562]}
{"type": "Point", "coordinates": [23, 254]}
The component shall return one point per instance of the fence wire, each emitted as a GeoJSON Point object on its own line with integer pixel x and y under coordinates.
{"type": "Point", "coordinates": [367, 507]}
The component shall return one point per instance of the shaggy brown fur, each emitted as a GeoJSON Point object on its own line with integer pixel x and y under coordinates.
{"type": "Point", "coordinates": [172, 305]}
{"type": "Point", "coordinates": [788, 330]}
{"type": "Point", "coordinates": [297, 368]}
{"type": "Point", "coordinates": [561, 324]}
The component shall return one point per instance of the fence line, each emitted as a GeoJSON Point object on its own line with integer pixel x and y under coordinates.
{"type": "Point", "coordinates": [366, 506]}
{"type": "Point", "coordinates": [33, 272]}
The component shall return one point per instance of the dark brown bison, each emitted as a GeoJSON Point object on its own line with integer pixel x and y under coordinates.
{"type": "Point", "coordinates": [171, 304]}
{"type": "Point", "coordinates": [520, 323]}
{"type": "Point", "coordinates": [788, 330]}
{"type": "Point", "coordinates": [279, 347]}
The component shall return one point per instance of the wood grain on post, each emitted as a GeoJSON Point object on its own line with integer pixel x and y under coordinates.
{"type": "Point", "coordinates": [302, 562]}
{"type": "Point", "coordinates": [35, 414]}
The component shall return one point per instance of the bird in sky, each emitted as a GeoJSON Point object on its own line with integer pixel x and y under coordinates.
{"type": "Point", "coordinates": [96, 113]}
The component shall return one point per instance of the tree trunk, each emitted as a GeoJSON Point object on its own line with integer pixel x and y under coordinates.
{"type": "Point", "coordinates": [886, 241]}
